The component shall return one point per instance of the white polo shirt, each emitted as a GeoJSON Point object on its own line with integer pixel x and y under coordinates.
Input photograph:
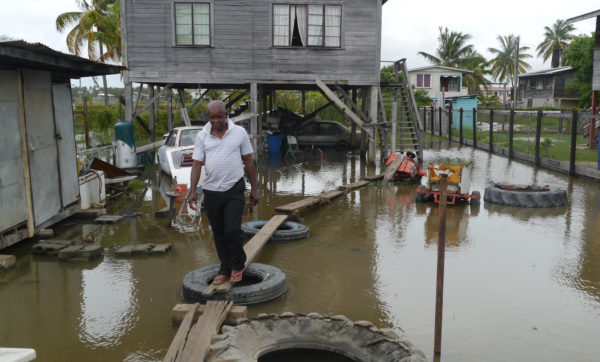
{"type": "Point", "coordinates": [222, 156]}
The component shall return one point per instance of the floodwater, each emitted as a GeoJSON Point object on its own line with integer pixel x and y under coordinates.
{"type": "Point", "coordinates": [520, 284]}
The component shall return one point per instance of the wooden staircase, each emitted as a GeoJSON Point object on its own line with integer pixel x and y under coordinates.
{"type": "Point", "coordinates": [407, 135]}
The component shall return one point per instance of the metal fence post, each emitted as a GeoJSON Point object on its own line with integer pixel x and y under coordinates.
{"type": "Point", "coordinates": [474, 128]}
{"type": "Point", "coordinates": [573, 144]}
{"type": "Point", "coordinates": [460, 131]}
{"type": "Point", "coordinates": [440, 121]}
{"type": "Point", "coordinates": [439, 290]}
{"type": "Point", "coordinates": [491, 143]}
{"type": "Point", "coordinates": [511, 128]}
{"type": "Point", "coordinates": [538, 133]}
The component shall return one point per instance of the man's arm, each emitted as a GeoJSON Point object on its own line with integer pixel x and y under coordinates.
{"type": "Point", "coordinates": [194, 178]}
{"type": "Point", "coordinates": [251, 172]}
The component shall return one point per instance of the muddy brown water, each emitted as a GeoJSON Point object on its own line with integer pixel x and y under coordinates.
{"type": "Point", "coordinates": [520, 284]}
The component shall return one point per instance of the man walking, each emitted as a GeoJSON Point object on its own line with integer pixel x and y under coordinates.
{"type": "Point", "coordinates": [220, 147]}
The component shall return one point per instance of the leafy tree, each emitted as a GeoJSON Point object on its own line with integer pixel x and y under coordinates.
{"type": "Point", "coordinates": [480, 66]}
{"type": "Point", "coordinates": [580, 55]}
{"type": "Point", "coordinates": [452, 49]}
{"type": "Point", "coordinates": [503, 65]}
{"type": "Point", "coordinates": [97, 24]}
{"type": "Point", "coordinates": [422, 98]}
{"type": "Point", "coordinates": [555, 41]}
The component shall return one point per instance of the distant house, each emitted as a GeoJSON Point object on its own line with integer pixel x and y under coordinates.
{"type": "Point", "coordinates": [502, 91]}
{"type": "Point", "coordinates": [111, 97]}
{"type": "Point", "coordinates": [547, 88]}
{"type": "Point", "coordinates": [436, 78]}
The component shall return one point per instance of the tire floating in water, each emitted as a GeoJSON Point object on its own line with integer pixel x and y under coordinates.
{"type": "Point", "coordinates": [525, 196]}
{"type": "Point", "coordinates": [270, 284]}
{"type": "Point", "coordinates": [359, 341]}
{"type": "Point", "coordinates": [288, 231]}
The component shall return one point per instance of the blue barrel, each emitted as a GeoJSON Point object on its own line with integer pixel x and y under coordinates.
{"type": "Point", "coordinates": [124, 132]}
{"type": "Point", "coordinates": [274, 143]}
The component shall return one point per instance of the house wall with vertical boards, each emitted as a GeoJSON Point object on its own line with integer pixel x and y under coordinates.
{"type": "Point", "coordinates": [242, 50]}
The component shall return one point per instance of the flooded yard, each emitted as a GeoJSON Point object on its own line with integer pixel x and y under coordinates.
{"type": "Point", "coordinates": [520, 284]}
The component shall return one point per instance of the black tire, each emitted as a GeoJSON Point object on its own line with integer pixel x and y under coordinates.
{"type": "Point", "coordinates": [476, 200]}
{"type": "Point", "coordinates": [525, 196]}
{"type": "Point", "coordinates": [359, 341]}
{"type": "Point", "coordinates": [272, 285]}
{"type": "Point", "coordinates": [288, 231]}
{"type": "Point", "coordinates": [342, 146]}
{"type": "Point", "coordinates": [420, 196]}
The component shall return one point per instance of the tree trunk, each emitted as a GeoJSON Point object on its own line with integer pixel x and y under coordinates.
{"type": "Point", "coordinates": [556, 58]}
{"type": "Point", "coordinates": [104, 78]}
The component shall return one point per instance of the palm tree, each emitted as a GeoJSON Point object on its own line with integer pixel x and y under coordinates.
{"type": "Point", "coordinates": [98, 25]}
{"type": "Point", "coordinates": [555, 42]}
{"type": "Point", "coordinates": [480, 66]}
{"type": "Point", "coordinates": [452, 49]}
{"type": "Point", "coordinates": [503, 65]}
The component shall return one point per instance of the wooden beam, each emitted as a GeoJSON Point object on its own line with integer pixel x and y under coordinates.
{"type": "Point", "coordinates": [137, 118]}
{"type": "Point", "coordinates": [338, 102]}
{"type": "Point", "coordinates": [175, 351]}
{"type": "Point", "coordinates": [25, 153]}
{"type": "Point", "coordinates": [179, 312]}
{"type": "Point", "coordinates": [589, 15]}
{"type": "Point", "coordinates": [184, 114]}
{"type": "Point", "coordinates": [324, 197]}
{"type": "Point", "coordinates": [313, 114]}
{"type": "Point", "coordinates": [201, 333]}
{"type": "Point", "coordinates": [151, 101]}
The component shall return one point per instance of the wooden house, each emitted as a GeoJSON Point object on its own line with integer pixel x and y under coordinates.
{"type": "Point", "coordinates": [39, 184]}
{"type": "Point", "coordinates": [255, 45]}
{"type": "Point", "coordinates": [548, 88]}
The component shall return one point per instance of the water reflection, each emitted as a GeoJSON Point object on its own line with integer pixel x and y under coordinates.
{"type": "Point", "coordinates": [108, 303]}
{"type": "Point", "coordinates": [457, 223]}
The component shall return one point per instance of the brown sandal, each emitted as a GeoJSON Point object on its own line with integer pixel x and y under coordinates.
{"type": "Point", "coordinates": [220, 279]}
{"type": "Point", "coordinates": [236, 275]}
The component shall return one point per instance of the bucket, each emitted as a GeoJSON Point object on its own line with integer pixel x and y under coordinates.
{"type": "Point", "coordinates": [274, 143]}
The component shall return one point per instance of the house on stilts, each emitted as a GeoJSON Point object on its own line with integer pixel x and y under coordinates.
{"type": "Point", "coordinates": [257, 46]}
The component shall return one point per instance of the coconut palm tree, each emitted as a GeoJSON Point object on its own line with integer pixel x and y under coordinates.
{"type": "Point", "coordinates": [97, 25]}
{"type": "Point", "coordinates": [452, 49]}
{"type": "Point", "coordinates": [503, 65]}
{"type": "Point", "coordinates": [480, 66]}
{"type": "Point", "coordinates": [556, 40]}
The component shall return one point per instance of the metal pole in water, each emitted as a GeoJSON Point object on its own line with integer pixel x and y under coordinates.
{"type": "Point", "coordinates": [439, 292]}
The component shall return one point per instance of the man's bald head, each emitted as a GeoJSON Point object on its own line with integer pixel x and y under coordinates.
{"type": "Point", "coordinates": [216, 107]}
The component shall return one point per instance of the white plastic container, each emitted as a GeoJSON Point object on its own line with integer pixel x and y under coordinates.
{"type": "Point", "coordinates": [92, 188]}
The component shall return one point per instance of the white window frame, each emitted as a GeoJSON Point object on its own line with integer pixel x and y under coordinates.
{"type": "Point", "coordinates": [324, 31]}
{"type": "Point", "coordinates": [210, 25]}
{"type": "Point", "coordinates": [423, 80]}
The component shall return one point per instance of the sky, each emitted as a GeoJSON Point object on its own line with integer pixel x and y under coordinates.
{"type": "Point", "coordinates": [408, 26]}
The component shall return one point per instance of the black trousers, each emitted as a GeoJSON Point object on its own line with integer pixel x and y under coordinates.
{"type": "Point", "coordinates": [224, 211]}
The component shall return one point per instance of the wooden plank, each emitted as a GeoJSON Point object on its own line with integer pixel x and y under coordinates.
{"type": "Point", "coordinates": [179, 312]}
{"type": "Point", "coordinates": [341, 105]}
{"type": "Point", "coordinates": [201, 333]}
{"type": "Point", "coordinates": [25, 152]}
{"type": "Point", "coordinates": [252, 248]}
{"type": "Point", "coordinates": [296, 205]}
{"type": "Point", "coordinates": [108, 219]}
{"type": "Point", "coordinates": [392, 168]}
{"type": "Point", "coordinates": [175, 351]}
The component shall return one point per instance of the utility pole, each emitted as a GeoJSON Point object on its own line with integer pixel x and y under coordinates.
{"type": "Point", "coordinates": [516, 79]}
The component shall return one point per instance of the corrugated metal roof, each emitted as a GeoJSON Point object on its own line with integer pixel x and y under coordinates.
{"type": "Point", "coordinates": [440, 67]}
{"type": "Point", "coordinates": [21, 54]}
{"type": "Point", "coordinates": [546, 72]}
